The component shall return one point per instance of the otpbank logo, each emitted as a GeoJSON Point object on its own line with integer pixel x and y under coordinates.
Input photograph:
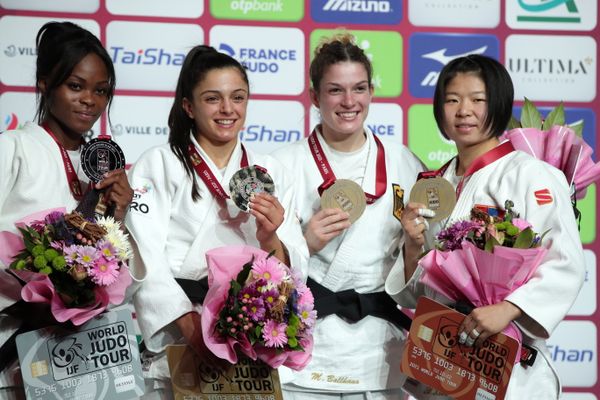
{"type": "Point", "coordinates": [357, 11]}
{"type": "Point", "coordinates": [429, 52]}
{"type": "Point", "coordinates": [425, 139]}
{"type": "Point", "coordinates": [384, 49]}
{"type": "Point", "coordinates": [258, 10]}
{"type": "Point", "coordinates": [572, 15]}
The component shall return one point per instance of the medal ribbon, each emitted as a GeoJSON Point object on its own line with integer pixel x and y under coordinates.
{"type": "Point", "coordinates": [207, 176]}
{"type": "Point", "coordinates": [329, 177]}
{"type": "Point", "coordinates": [72, 178]}
{"type": "Point", "coordinates": [479, 163]}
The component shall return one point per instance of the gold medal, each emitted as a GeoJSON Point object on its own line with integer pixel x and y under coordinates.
{"type": "Point", "coordinates": [437, 194]}
{"type": "Point", "coordinates": [346, 195]}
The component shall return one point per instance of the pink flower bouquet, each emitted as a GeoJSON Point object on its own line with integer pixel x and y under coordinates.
{"type": "Point", "coordinates": [257, 306]}
{"type": "Point", "coordinates": [75, 265]}
{"type": "Point", "coordinates": [483, 260]}
{"type": "Point", "coordinates": [554, 142]}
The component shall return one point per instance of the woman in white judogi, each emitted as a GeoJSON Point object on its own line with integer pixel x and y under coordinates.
{"type": "Point", "coordinates": [472, 106]}
{"type": "Point", "coordinates": [356, 354]}
{"type": "Point", "coordinates": [39, 164]}
{"type": "Point", "coordinates": [180, 212]}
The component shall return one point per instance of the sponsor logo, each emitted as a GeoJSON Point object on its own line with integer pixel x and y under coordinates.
{"type": "Point", "coordinates": [384, 49]}
{"type": "Point", "coordinates": [149, 56]}
{"type": "Point", "coordinates": [120, 129]}
{"type": "Point", "coordinates": [263, 10]}
{"type": "Point", "coordinates": [455, 13]}
{"type": "Point", "coordinates": [14, 51]}
{"type": "Point", "coordinates": [261, 133]}
{"type": "Point", "coordinates": [11, 122]}
{"type": "Point", "coordinates": [543, 196]}
{"type": "Point", "coordinates": [260, 60]}
{"type": "Point", "coordinates": [429, 52]}
{"type": "Point", "coordinates": [567, 7]}
{"type": "Point", "coordinates": [560, 354]}
{"type": "Point", "coordinates": [357, 11]}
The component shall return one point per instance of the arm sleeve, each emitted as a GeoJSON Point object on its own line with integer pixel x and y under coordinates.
{"type": "Point", "coordinates": [159, 300]}
{"type": "Point", "coordinates": [547, 297]}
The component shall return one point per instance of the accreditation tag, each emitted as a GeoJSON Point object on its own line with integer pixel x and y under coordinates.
{"type": "Point", "coordinates": [434, 357]}
{"type": "Point", "coordinates": [246, 380]}
{"type": "Point", "coordinates": [98, 360]}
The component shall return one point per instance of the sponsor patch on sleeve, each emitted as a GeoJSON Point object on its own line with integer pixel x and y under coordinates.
{"type": "Point", "coordinates": [543, 196]}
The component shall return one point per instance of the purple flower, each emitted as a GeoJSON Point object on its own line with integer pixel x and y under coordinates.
{"type": "Point", "coordinates": [256, 309]}
{"type": "Point", "coordinates": [307, 314]}
{"type": "Point", "coordinates": [71, 253]}
{"type": "Point", "coordinates": [86, 255]}
{"type": "Point", "coordinates": [452, 237]}
{"type": "Point", "coordinates": [107, 250]}
{"type": "Point", "coordinates": [270, 297]}
{"type": "Point", "coordinates": [54, 217]}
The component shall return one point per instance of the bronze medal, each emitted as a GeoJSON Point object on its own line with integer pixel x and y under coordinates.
{"type": "Point", "coordinates": [99, 156]}
{"type": "Point", "coordinates": [346, 195]}
{"type": "Point", "coordinates": [435, 193]}
{"type": "Point", "coordinates": [247, 182]}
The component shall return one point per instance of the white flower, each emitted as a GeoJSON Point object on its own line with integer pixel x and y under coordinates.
{"type": "Point", "coordinates": [116, 237]}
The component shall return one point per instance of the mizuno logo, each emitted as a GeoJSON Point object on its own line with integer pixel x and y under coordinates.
{"type": "Point", "coordinates": [441, 57]}
{"type": "Point", "coordinates": [358, 6]}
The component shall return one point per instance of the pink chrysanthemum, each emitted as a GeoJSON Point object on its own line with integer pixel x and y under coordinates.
{"type": "Point", "coordinates": [274, 334]}
{"type": "Point", "coordinates": [305, 297]}
{"type": "Point", "coordinates": [86, 255]}
{"type": "Point", "coordinates": [104, 272]}
{"type": "Point", "coordinates": [269, 297]}
{"type": "Point", "coordinates": [71, 253]}
{"type": "Point", "coordinates": [269, 270]}
{"type": "Point", "coordinates": [107, 250]}
{"type": "Point", "coordinates": [307, 314]}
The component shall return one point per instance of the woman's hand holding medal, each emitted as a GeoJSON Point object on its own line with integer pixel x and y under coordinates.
{"type": "Point", "coordinates": [117, 191]}
{"type": "Point", "coordinates": [268, 212]}
{"type": "Point", "coordinates": [325, 225]}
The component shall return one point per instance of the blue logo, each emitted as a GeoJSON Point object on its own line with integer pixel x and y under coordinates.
{"type": "Point", "coordinates": [261, 133]}
{"type": "Point", "coordinates": [385, 12]}
{"type": "Point", "coordinates": [560, 354]}
{"type": "Point", "coordinates": [429, 52]}
{"type": "Point", "coordinates": [149, 56]}
{"type": "Point", "coordinates": [263, 60]}
{"type": "Point", "coordinates": [573, 116]}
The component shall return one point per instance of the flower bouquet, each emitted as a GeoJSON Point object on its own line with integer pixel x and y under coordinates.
{"type": "Point", "coordinates": [256, 305]}
{"type": "Point", "coordinates": [558, 144]}
{"type": "Point", "coordinates": [484, 259]}
{"type": "Point", "coordinates": [76, 265]}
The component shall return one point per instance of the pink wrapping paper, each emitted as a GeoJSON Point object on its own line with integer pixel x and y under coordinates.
{"type": "Point", "coordinates": [481, 277]}
{"type": "Point", "coordinates": [224, 264]}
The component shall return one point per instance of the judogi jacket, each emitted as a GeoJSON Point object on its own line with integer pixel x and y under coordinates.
{"type": "Point", "coordinates": [361, 356]}
{"type": "Point", "coordinates": [541, 196]}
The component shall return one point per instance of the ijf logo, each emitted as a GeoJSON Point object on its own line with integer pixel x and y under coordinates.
{"type": "Point", "coordinates": [430, 52]}
{"type": "Point", "coordinates": [552, 14]}
{"type": "Point", "coordinates": [384, 49]}
{"type": "Point", "coordinates": [357, 11]}
{"type": "Point", "coordinates": [274, 57]}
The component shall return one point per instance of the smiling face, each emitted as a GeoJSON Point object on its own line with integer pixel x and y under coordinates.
{"type": "Point", "coordinates": [77, 103]}
{"type": "Point", "coordinates": [343, 99]}
{"type": "Point", "coordinates": [465, 111]}
{"type": "Point", "coordinates": [218, 106]}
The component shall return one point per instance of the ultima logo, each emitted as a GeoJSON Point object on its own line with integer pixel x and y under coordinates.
{"type": "Point", "coordinates": [149, 56]}
{"type": "Point", "coordinates": [358, 11]}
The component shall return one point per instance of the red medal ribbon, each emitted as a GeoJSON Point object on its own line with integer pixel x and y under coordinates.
{"type": "Point", "coordinates": [480, 162]}
{"type": "Point", "coordinates": [207, 176]}
{"type": "Point", "coordinates": [329, 177]}
{"type": "Point", "coordinates": [72, 178]}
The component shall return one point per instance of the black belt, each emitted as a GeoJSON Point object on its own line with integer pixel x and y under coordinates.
{"type": "Point", "coordinates": [355, 306]}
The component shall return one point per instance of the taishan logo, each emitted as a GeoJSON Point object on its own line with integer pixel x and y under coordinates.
{"type": "Point", "coordinates": [358, 6]}
{"type": "Point", "coordinates": [541, 6]}
{"type": "Point", "coordinates": [149, 56]}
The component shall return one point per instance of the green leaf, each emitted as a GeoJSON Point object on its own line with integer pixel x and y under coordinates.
{"type": "Point", "coordinates": [530, 116]}
{"type": "Point", "coordinates": [243, 275]}
{"type": "Point", "coordinates": [513, 123]}
{"type": "Point", "coordinates": [577, 127]}
{"type": "Point", "coordinates": [490, 243]}
{"type": "Point", "coordinates": [525, 239]}
{"type": "Point", "coordinates": [555, 117]}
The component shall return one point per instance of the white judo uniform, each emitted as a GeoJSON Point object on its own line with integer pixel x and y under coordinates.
{"type": "Point", "coordinates": [174, 232]}
{"type": "Point", "coordinates": [547, 297]}
{"type": "Point", "coordinates": [32, 179]}
{"type": "Point", "coordinates": [362, 356]}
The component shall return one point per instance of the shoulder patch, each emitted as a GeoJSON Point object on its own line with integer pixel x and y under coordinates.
{"type": "Point", "coordinates": [543, 196]}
